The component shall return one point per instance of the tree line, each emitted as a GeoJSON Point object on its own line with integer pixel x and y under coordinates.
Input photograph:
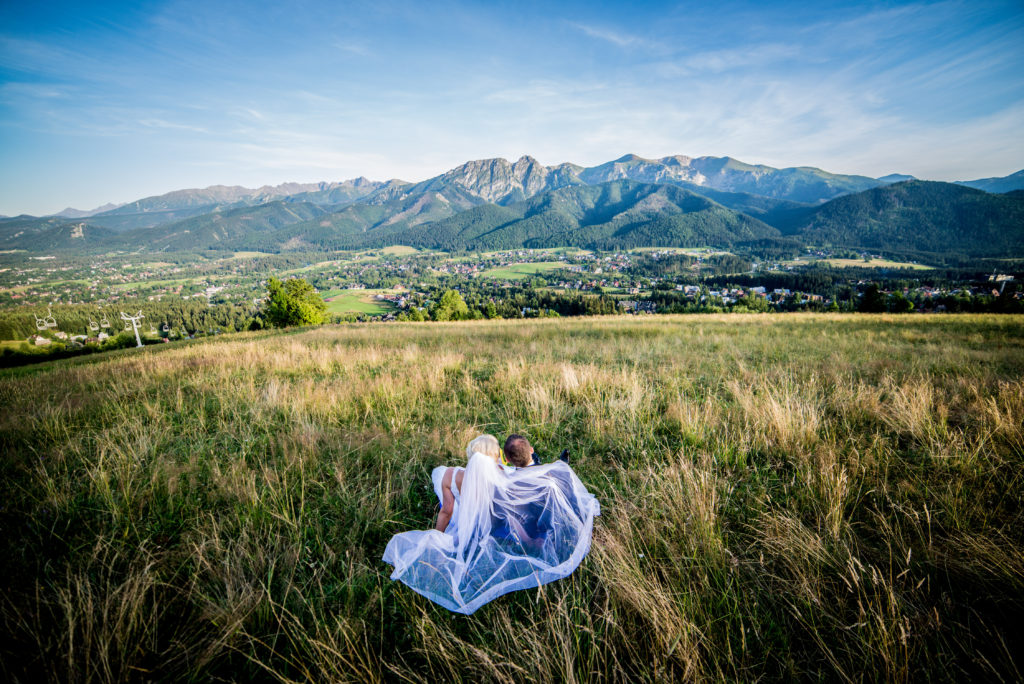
{"type": "Point", "coordinates": [192, 315]}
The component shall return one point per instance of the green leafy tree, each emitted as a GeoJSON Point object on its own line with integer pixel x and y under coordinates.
{"type": "Point", "coordinates": [753, 303]}
{"type": "Point", "coordinates": [872, 301]}
{"type": "Point", "coordinates": [900, 304]}
{"type": "Point", "coordinates": [293, 302]}
{"type": "Point", "coordinates": [450, 307]}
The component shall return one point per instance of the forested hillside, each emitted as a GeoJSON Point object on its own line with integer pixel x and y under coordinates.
{"type": "Point", "coordinates": [919, 216]}
{"type": "Point", "coordinates": [618, 214]}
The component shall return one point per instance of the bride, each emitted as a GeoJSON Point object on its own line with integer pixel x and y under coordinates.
{"type": "Point", "coordinates": [500, 529]}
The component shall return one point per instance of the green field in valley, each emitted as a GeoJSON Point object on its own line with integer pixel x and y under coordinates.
{"type": "Point", "coordinates": [356, 301]}
{"type": "Point", "coordinates": [522, 271]}
{"type": "Point", "coordinates": [399, 250]}
{"type": "Point", "coordinates": [875, 263]}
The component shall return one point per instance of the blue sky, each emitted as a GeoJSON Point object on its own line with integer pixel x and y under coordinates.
{"type": "Point", "coordinates": [109, 102]}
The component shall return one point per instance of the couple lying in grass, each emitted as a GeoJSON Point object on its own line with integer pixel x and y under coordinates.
{"type": "Point", "coordinates": [506, 523]}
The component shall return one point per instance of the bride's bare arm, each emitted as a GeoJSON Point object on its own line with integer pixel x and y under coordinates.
{"type": "Point", "coordinates": [447, 502]}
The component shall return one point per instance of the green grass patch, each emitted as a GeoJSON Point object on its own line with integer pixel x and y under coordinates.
{"type": "Point", "coordinates": [54, 283]}
{"type": "Point", "coordinates": [356, 301]}
{"type": "Point", "coordinates": [170, 282]}
{"type": "Point", "coordinates": [247, 255]}
{"type": "Point", "coordinates": [522, 271]}
{"type": "Point", "coordinates": [876, 263]}
{"type": "Point", "coordinates": [399, 250]}
{"type": "Point", "coordinates": [702, 251]}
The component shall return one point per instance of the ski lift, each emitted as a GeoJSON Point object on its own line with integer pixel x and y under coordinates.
{"type": "Point", "coordinates": [152, 329]}
{"type": "Point", "coordinates": [132, 323]}
{"type": "Point", "coordinates": [41, 323]}
{"type": "Point", "coordinates": [165, 328]}
{"type": "Point", "coordinates": [93, 325]}
{"type": "Point", "coordinates": [51, 322]}
{"type": "Point", "coordinates": [104, 323]}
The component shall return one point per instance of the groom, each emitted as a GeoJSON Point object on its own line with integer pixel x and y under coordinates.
{"type": "Point", "coordinates": [534, 523]}
{"type": "Point", "coordinates": [518, 453]}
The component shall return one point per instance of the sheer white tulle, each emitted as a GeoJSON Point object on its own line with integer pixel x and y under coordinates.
{"type": "Point", "coordinates": [508, 532]}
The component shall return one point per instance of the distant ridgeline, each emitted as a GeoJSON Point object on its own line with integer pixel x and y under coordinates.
{"type": "Point", "coordinates": [495, 204]}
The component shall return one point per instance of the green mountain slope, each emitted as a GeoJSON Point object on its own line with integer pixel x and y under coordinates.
{"type": "Point", "coordinates": [920, 216]}
{"type": "Point", "coordinates": [181, 204]}
{"type": "Point", "coordinates": [359, 225]}
{"type": "Point", "coordinates": [1015, 181]}
{"type": "Point", "coordinates": [220, 229]}
{"type": "Point", "coordinates": [126, 221]}
{"type": "Point", "coordinates": [770, 210]}
{"type": "Point", "coordinates": [51, 234]}
{"type": "Point", "coordinates": [619, 214]}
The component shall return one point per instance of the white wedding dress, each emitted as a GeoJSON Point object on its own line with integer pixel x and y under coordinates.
{"type": "Point", "coordinates": [508, 531]}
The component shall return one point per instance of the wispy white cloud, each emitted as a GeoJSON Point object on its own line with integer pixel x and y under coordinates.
{"type": "Point", "coordinates": [618, 38]}
{"type": "Point", "coordinates": [546, 92]}
{"type": "Point", "coordinates": [352, 48]}
{"type": "Point", "coordinates": [15, 91]}
{"type": "Point", "coordinates": [170, 125]}
{"type": "Point", "coordinates": [252, 114]}
{"type": "Point", "coordinates": [716, 61]}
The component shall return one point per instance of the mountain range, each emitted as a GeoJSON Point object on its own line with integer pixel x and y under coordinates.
{"type": "Point", "coordinates": [494, 203]}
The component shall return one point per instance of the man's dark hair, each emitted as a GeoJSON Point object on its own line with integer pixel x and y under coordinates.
{"type": "Point", "coordinates": [518, 451]}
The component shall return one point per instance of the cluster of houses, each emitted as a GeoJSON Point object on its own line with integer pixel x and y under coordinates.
{"type": "Point", "coordinates": [732, 295]}
{"type": "Point", "coordinates": [399, 299]}
{"type": "Point", "coordinates": [631, 287]}
{"type": "Point", "coordinates": [924, 292]}
{"type": "Point", "coordinates": [575, 263]}
{"type": "Point", "coordinates": [464, 269]}
{"type": "Point", "coordinates": [637, 306]}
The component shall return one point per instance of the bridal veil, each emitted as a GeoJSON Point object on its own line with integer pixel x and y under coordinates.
{"type": "Point", "coordinates": [509, 532]}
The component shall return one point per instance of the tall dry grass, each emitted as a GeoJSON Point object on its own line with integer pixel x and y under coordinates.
{"type": "Point", "coordinates": [813, 497]}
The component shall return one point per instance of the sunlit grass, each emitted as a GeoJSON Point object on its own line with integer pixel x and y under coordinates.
{"type": "Point", "coordinates": [811, 496]}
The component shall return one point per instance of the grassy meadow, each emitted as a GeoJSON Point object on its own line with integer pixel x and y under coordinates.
{"type": "Point", "coordinates": [876, 263]}
{"type": "Point", "coordinates": [356, 301]}
{"type": "Point", "coordinates": [522, 271]}
{"type": "Point", "coordinates": [816, 497]}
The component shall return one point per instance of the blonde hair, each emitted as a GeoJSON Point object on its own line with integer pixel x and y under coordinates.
{"type": "Point", "coordinates": [486, 445]}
